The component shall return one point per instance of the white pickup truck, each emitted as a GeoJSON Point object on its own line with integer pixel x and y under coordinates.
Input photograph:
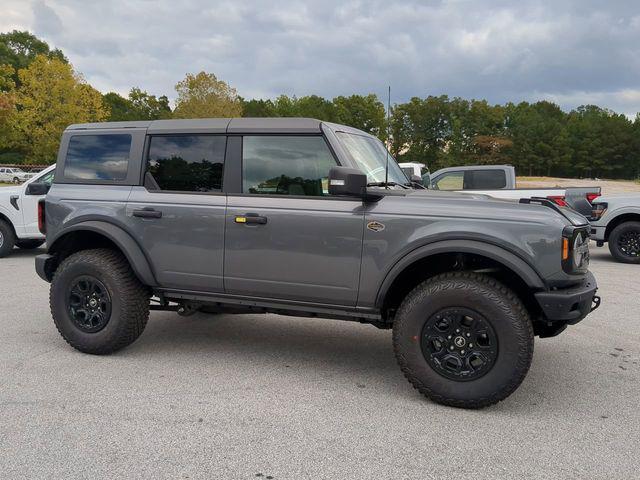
{"type": "Point", "coordinates": [499, 181]}
{"type": "Point", "coordinates": [616, 219]}
{"type": "Point", "coordinates": [19, 213]}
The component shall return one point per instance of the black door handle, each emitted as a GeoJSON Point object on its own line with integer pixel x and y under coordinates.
{"type": "Point", "coordinates": [147, 213]}
{"type": "Point", "coordinates": [252, 218]}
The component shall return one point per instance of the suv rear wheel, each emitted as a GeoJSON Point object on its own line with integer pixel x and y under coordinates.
{"type": "Point", "coordinates": [97, 303]}
{"type": "Point", "coordinates": [7, 239]}
{"type": "Point", "coordinates": [624, 242]}
{"type": "Point", "coordinates": [463, 339]}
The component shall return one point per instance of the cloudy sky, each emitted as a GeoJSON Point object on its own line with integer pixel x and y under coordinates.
{"type": "Point", "coordinates": [570, 51]}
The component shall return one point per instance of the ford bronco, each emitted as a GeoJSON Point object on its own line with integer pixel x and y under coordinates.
{"type": "Point", "coordinates": [307, 218]}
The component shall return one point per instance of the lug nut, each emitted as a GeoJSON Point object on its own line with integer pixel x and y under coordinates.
{"type": "Point", "coordinates": [468, 334]}
{"type": "Point", "coordinates": [457, 330]}
{"type": "Point", "coordinates": [462, 352]}
{"type": "Point", "coordinates": [471, 345]}
{"type": "Point", "coordinates": [451, 347]}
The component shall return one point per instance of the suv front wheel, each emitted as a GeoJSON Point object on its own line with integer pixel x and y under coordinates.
{"type": "Point", "coordinates": [463, 339]}
{"type": "Point", "coordinates": [97, 303]}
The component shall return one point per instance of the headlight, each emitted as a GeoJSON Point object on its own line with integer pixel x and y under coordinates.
{"type": "Point", "coordinates": [597, 211]}
{"type": "Point", "coordinates": [575, 250]}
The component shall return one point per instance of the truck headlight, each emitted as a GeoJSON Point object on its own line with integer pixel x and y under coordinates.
{"type": "Point", "coordinates": [597, 211]}
{"type": "Point", "coordinates": [575, 249]}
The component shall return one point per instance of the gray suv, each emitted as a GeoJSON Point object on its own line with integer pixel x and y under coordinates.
{"type": "Point", "coordinates": [307, 218]}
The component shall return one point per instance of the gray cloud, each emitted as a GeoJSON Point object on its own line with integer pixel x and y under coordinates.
{"type": "Point", "coordinates": [570, 51]}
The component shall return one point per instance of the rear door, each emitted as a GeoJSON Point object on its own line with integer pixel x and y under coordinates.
{"type": "Point", "coordinates": [178, 214]}
{"type": "Point", "coordinates": [286, 238]}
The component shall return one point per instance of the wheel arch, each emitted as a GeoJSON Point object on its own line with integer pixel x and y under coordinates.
{"type": "Point", "coordinates": [439, 257]}
{"type": "Point", "coordinates": [622, 218]}
{"type": "Point", "coordinates": [95, 234]}
{"type": "Point", "coordinates": [7, 220]}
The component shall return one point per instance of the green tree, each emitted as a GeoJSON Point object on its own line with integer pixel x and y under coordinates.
{"type": "Point", "coordinates": [366, 113]}
{"type": "Point", "coordinates": [204, 96]}
{"type": "Point", "coordinates": [19, 49]}
{"type": "Point", "coordinates": [50, 97]}
{"type": "Point", "coordinates": [139, 106]}
{"type": "Point", "coordinates": [7, 102]}
{"type": "Point", "coordinates": [257, 108]}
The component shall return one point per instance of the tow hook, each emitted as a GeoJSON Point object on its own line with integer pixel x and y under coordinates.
{"type": "Point", "coordinates": [596, 303]}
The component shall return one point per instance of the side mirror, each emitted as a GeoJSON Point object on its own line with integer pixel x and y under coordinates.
{"type": "Point", "coordinates": [345, 181]}
{"type": "Point", "coordinates": [426, 180]}
{"type": "Point", "coordinates": [36, 188]}
{"type": "Point", "coordinates": [416, 179]}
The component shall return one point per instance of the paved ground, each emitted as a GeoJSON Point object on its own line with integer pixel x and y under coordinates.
{"type": "Point", "coordinates": [245, 397]}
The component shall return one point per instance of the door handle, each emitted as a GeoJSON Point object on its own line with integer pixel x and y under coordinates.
{"type": "Point", "coordinates": [252, 218]}
{"type": "Point", "coordinates": [147, 213]}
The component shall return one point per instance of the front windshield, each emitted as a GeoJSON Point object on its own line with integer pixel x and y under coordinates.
{"type": "Point", "coordinates": [371, 156]}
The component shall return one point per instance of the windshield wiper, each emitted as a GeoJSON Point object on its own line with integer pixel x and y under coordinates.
{"type": "Point", "coordinates": [386, 184]}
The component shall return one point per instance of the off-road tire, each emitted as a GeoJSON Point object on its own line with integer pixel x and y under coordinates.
{"type": "Point", "coordinates": [615, 235]}
{"type": "Point", "coordinates": [29, 244]}
{"type": "Point", "coordinates": [7, 239]}
{"type": "Point", "coordinates": [496, 303]}
{"type": "Point", "coordinates": [129, 301]}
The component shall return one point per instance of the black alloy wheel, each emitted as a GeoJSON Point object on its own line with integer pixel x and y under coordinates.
{"type": "Point", "coordinates": [459, 344]}
{"type": "Point", "coordinates": [89, 304]}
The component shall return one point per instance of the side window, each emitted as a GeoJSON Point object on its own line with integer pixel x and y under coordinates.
{"type": "Point", "coordinates": [450, 181]}
{"type": "Point", "coordinates": [98, 157]}
{"type": "Point", "coordinates": [186, 163]}
{"type": "Point", "coordinates": [47, 178]}
{"type": "Point", "coordinates": [485, 179]}
{"type": "Point", "coordinates": [286, 165]}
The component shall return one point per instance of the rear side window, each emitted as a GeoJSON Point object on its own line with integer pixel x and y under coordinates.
{"type": "Point", "coordinates": [98, 157]}
{"type": "Point", "coordinates": [286, 165]}
{"type": "Point", "coordinates": [186, 163]}
{"type": "Point", "coordinates": [485, 179]}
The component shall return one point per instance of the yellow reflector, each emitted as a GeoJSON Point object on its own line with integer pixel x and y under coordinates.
{"type": "Point", "coordinates": [565, 248]}
{"type": "Point", "coordinates": [241, 219]}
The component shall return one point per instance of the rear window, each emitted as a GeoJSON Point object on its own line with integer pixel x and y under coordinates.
{"type": "Point", "coordinates": [98, 157]}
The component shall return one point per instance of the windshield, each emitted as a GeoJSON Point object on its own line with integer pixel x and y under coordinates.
{"type": "Point", "coordinates": [371, 156]}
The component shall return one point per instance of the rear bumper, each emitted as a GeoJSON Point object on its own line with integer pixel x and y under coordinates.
{"type": "Point", "coordinates": [570, 305]}
{"type": "Point", "coordinates": [43, 266]}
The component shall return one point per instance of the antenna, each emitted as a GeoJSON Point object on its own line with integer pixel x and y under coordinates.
{"type": "Point", "coordinates": [386, 170]}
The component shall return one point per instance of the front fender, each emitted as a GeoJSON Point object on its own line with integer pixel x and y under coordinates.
{"type": "Point", "coordinates": [494, 252]}
{"type": "Point", "coordinates": [125, 242]}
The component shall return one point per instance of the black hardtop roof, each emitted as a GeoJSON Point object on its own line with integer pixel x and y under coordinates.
{"type": "Point", "coordinates": [213, 125]}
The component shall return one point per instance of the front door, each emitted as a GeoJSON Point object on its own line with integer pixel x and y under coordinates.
{"type": "Point", "coordinates": [178, 215]}
{"type": "Point", "coordinates": [30, 205]}
{"type": "Point", "coordinates": [286, 238]}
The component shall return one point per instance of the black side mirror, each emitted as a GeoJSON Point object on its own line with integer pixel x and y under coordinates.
{"type": "Point", "coordinates": [347, 181]}
{"type": "Point", "coordinates": [416, 179]}
{"type": "Point", "coordinates": [426, 180]}
{"type": "Point", "coordinates": [36, 188]}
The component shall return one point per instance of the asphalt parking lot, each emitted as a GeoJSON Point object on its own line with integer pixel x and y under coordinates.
{"type": "Point", "coordinates": [260, 396]}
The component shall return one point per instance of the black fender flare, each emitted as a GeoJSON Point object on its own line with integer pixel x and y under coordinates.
{"type": "Point", "coordinates": [521, 268]}
{"type": "Point", "coordinates": [125, 242]}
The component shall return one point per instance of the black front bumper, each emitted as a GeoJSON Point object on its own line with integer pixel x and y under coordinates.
{"type": "Point", "coordinates": [570, 305]}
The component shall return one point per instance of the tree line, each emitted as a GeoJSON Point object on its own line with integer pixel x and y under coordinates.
{"type": "Point", "coordinates": [41, 93]}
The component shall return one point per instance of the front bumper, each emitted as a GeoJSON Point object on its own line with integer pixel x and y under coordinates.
{"type": "Point", "coordinates": [570, 305]}
{"type": "Point", "coordinates": [597, 233]}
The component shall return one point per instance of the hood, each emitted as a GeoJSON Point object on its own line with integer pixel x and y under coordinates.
{"type": "Point", "coordinates": [631, 198]}
{"type": "Point", "coordinates": [484, 206]}
{"type": "Point", "coordinates": [6, 192]}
